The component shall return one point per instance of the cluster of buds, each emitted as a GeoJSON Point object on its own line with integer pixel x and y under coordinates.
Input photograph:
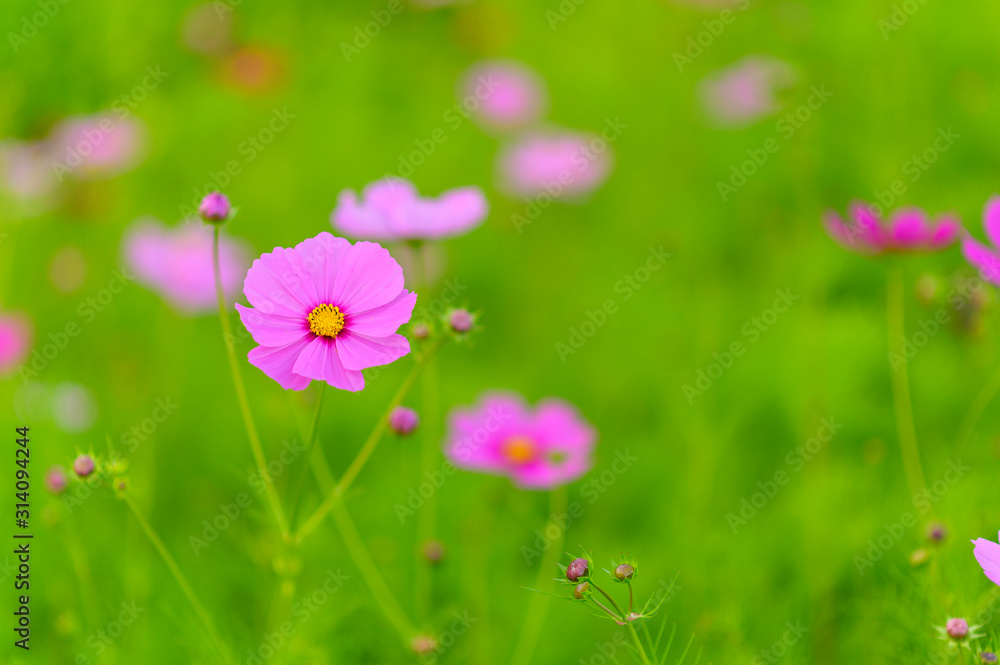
{"type": "Point", "coordinates": [90, 469]}
{"type": "Point", "coordinates": [586, 589]}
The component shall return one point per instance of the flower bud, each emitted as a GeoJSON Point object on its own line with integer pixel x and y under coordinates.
{"type": "Point", "coordinates": [433, 551]}
{"type": "Point", "coordinates": [403, 421]}
{"type": "Point", "coordinates": [460, 320]}
{"type": "Point", "coordinates": [214, 208]}
{"type": "Point", "coordinates": [957, 629]}
{"type": "Point", "coordinates": [937, 532]}
{"type": "Point", "coordinates": [423, 644]}
{"type": "Point", "coordinates": [421, 330]}
{"type": "Point", "coordinates": [83, 465]}
{"type": "Point", "coordinates": [624, 572]}
{"type": "Point", "coordinates": [576, 569]}
{"type": "Point", "coordinates": [581, 590]}
{"type": "Point", "coordinates": [987, 657]}
{"type": "Point", "coordinates": [56, 480]}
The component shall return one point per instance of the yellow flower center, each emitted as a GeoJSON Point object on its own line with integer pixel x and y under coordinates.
{"type": "Point", "coordinates": [326, 321]}
{"type": "Point", "coordinates": [519, 450]}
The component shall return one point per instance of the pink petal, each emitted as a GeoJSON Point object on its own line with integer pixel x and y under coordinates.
{"type": "Point", "coordinates": [368, 277]}
{"type": "Point", "coordinates": [385, 319]}
{"type": "Point", "coordinates": [991, 220]}
{"type": "Point", "coordinates": [358, 352]}
{"type": "Point", "coordinates": [277, 284]}
{"type": "Point", "coordinates": [273, 329]}
{"type": "Point", "coordinates": [945, 233]}
{"type": "Point", "coordinates": [320, 260]}
{"type": "Point", "coordinates": [277, 363]}
{"type": "Point", "coordinates": [987, 553]}
{"type": "Point", "coordinates": [982, 257]}
{"type": "Point", "coordinates": [319, 361]}
{"type": "Point", "coordinates": [909, 227]}
{"type": "Point", "coordinates": [868, 226]}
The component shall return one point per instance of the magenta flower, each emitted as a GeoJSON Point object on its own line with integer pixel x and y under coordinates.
{"type": "Point", "coordinates": [986, 258]}
{"type": "Point", "coordinates": [176, 263]}
{"type": "Point", "coordinates": [503, 94]}
{"type": "Point", "coordinates": [392, 209]}
{"type": "Point", "coordinates": [988, 555]}
{"type": "Point", "coordinates": [745, 92]}
{"type": "Point", "coordinates": [562, 165]}
{"type": "Point", "coordinates": [539, 449]}
{"type": "Point", "coordinates": [325, 310]}
{"type": "Point", "coordinates": [215, 207]}
{"type": "Point", "coordinates": [15, 340]}
{"type": "Point", "coordinates": [95, 146]}
{"type": "Point", "coordinates": [56, 480]}
{"type": "Point", "coordinates": [908, 230]}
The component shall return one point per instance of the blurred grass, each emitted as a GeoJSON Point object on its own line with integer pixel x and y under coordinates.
{"type": "Point", "coordinates": [825, 358]}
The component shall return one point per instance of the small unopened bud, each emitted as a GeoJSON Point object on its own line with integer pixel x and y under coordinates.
{"type": "Point", "coordinates": [423, 644]}
{"type": "Point", "coordinates": [576, 569]}
{"type": "Point", "coordinates": [957, 629]}
{"type": "Point", "coordinates": [421, 330]}
{"type": "Point", "coordinates": [937, 532]}
{"type": "Point", "coordinates": [433, 551]}
{"type": "Point", "coordinates": [56, 480]}
{"type": "Point", "coordinates": [460, 320]}
{"type": "Point", "coordinates": [624, 572]}
{"type": "Point", "coordinates": [83, 465]}
{"type": "Point", "coordinates": [581, 590]}
{"type": "Point", "coordinates": [632, 616]}
{"type": "Point", "coordinates": [403, 421]}
{"type": "Point", "coordinates": [214, 208]}
{"type": "Point", "coordinates": [987, 657]}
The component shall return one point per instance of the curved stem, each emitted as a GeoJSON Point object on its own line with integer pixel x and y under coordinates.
{"type": "Point", "coordinates": [901, 383]}
{"type": "Point", "coordinates": [638, 643]}
{"type": "Point", "coordinates": [310, 447]}
{"type": "Point", "coordinates": [614, 604]}
{"type": "Point", "coordinates": [976, 410]}
{"type": "Point", "coordinates": [241, 395]}
{"type": "Point", "coordinates": [179, 576]}
{"type": "Point", "coordinates": [366, 450]}
{"type": "Point", "coordinates": [535, 616]}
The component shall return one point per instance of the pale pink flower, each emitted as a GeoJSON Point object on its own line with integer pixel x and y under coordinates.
{"type": "Point", "coordinates": [176, 263]}
{"type": "Point", "coordinates": [26, 177]}
{"type": "Point", "coordinates": [96, 146]}
{"type": "Point", "coordinates": [15, 340]}
{"type": "Point", "coordinates": [538, 448]}
{"type": "Point", "coordinates": [986, 257]}
{"type": "Point", "coordinates": [503, 94]}
{"type": "Point", "coordinates": [906, 230]}
{"type": "Point", "coordinates": [393, 210]}
{"type": "Point", "coordinates": [987, 553]}
{"type": "Point", "coordinates": [561, 164]}
{"type": "Point", "coordinates": [745, 92]}
{"type": "Point", "coordinates": [325, 310]}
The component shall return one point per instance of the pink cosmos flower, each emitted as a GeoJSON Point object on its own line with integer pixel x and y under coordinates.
{"type": "Point", "coordinates": [746, 91]}
{"type": "Point", "coordinates": [325, 310]}
{"type": "Point", "coordinates": [503, 94]}
{"type": "Point", "coordinates": [562, 164]}
{"type": "Point", "coordinates": [986, 258]}
{"type": "Point", "coordinates": [176, 262]}
{"type": "Point", "coordinates": [907, 230]}
{"type": "Point", "coordinates": [539, 449]}
{"type": "Point", "coordinates": [96, 145]}
{"type": "Point", "coordinates": [15, 340]}
{"type": "Point", "coordinates": [988, 555]}
{"type": "Point", "coordinates": [392, 209]}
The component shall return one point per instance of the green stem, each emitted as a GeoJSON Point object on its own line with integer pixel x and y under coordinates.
{"type": "Point", "coordinates": [310, 447]}
{"type": "Point", "coordinates": [976, 410]}
{"type": "Point", "coordinates": [366, 450]}
{"type": "Point", "coordinates": [535, 616]}
{"type": "Point", "coordinates": [614, 604]}
{"type": "Point", "coordinates": [638, 642]}
{"type": "Point", "coordinates": [901, 384]}
{"type": "Point", "coordinates": [179, 576]}
{"type": "Point", "coordinates": [427, 517]}
{"type": "Point", "coordinates": [241, 395]}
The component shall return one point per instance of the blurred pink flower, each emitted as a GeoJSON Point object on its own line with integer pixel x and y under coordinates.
{"type": "Point", "coordinates": [539, 449]}
{"type": "Point", "coordinates": [254, 69]}
{"type": "Point", "coordinates": [325, 310]}
{"type": "Point", "coordinates": [563, 164]}
{"type": "Point", "coordinates": [15, 340]}
{"type": "Point", "coordinates": [503, 94]}
{"type": "Point", "coordinates": [745, 92]}
{"type": "Point", "coordinates": [907, 230]}
{"type": "Point", "coordinates": [26, 176]}
{"type": "Point", "coordinates": [176, 262]}
{"type": "Point", "coordinates": [984, 257]}
{"type": "Point", "coordinates": [392, 209]}
{"type": "Point", "coordinates": [987, 553]}
{"type": "Point", "coordinates": [95, 146]}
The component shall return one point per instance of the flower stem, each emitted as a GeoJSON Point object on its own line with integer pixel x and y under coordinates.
{"type": "Point", "coordinates": [310, 447]}
{"type": "Point", "coordinates": [179, 576]}
{"type": "Point", "coordinates": [365, 452]}
{"type": "Point", "coordinates": [901, 383]}
{"type": "Point", "coordinates": [614, 604]}
{"type": "Point", "coordinates": [535, 616]}
{"type": "Point", "coordinates": [427, 517]}
{"type": "Point", "coordinates": [638, 643]}
{"type": "Point", "coordinates": [241, 395]}
{"type": "Point", "coordinates": [976, 410]}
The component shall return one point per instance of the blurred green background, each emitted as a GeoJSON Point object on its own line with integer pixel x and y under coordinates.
{"type": "Point", "coordinates": [826, 357]}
